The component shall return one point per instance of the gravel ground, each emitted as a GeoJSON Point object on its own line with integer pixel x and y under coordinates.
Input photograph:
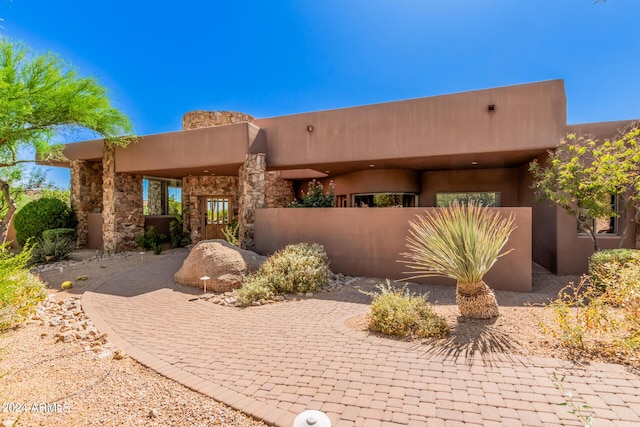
{"type": "Point", "coordinates": [66, 375]}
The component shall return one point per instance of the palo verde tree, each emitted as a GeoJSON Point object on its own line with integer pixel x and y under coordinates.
{"type": "Point", "coordinates": [582, 174]}
{"type": "Point", "coordinates": [42, 97]}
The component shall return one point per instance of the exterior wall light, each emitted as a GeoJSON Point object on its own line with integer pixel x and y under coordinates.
{"type": "Point", "coordinates": [309, 128]}
{"type": "Point", "coordinates": [491, 108]}
{"type": "Point", "coordinates": [474, 163]}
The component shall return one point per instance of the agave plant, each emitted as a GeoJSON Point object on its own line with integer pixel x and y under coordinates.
{"type": "Point", "coordinates": [463, 243]}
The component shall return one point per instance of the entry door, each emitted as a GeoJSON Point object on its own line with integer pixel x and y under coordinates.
{"type": "Point", "coordinates": [217, 212]}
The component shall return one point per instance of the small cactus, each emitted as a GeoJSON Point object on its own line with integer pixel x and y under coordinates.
{"type": "Point", "coordinates": [81, 278]}
{"type": "Point", "coordinates": [67, 285]}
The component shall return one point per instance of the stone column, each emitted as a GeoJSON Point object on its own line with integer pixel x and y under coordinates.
{"type": "Point", "coordinates": [252, 196]}
{"type": "Point", "coordinates": [122, 216]}
{"type": "Point", "coordinates": [154, 200]}
{"type": "Point", "coordinates": [86, 194]}
{"type": "Point", "coordinates": [279, 192]}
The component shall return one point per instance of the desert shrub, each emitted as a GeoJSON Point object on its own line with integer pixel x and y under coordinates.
{"type": "Point", "coordinates": [254, 288]}
{"type": "Point", "coordinates": [588, 319]}
{"type": "Point", "coordinates": [53, 247]}
{"type": "Point", "coordinates": [20, 291]}
{"type": "Point", "coordinates": [230, 232]}
{"type": "Point", "coordinates": [40, 215]}
{"type": "Point", "coordinates": [315, 196]}
{"type": "Point", "coordinates": [150, 240]}
{"type": "Point", "coordinates": [178, 236]}
{"type": "Point", "coordinates": [297, 268]}
{"type": "Point", "coordinates": [599, 260]}
{"type": "Point", "coordinates": [54, 233]}
{"type": "Point", "coordinates": [399, 312]}
{"type": "Point", "coordinates": [301, 267]}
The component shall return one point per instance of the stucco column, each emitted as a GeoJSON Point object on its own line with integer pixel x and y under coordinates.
{"type": "Point", "coordinates": [252, 196]}
{"type": "Point", "coordinates": [86, 194]}
{"type": "Point", "coordinates": [122, 216]}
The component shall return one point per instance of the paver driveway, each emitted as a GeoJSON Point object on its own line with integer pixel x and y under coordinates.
{"type": "Point", "coordinates": [277, 360]}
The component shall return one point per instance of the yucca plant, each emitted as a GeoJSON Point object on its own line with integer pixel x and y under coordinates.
{"type": "Point", "coordinates": [463, 243]}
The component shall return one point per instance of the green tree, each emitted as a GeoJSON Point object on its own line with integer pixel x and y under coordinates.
{"type": "Point", "coordinates": [582, 174]}
{"type": "Point", "coordinates": [41, 97]}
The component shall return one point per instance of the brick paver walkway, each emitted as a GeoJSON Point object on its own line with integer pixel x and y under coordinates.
{"type": "Point", "coordinates": [275, 361]}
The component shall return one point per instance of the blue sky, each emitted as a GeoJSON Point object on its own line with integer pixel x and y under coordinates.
{"type": "Point", "coordinates": [267, 58]}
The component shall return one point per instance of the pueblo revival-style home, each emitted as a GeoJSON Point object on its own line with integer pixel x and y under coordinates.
{"type": "Point", "coordinates": [414, 155]}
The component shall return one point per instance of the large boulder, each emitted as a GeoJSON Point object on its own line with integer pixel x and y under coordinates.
{"type": "Point", "coordinates": [222, 262]}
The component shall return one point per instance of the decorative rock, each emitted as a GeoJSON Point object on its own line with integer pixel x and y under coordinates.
{"type": "Point", "coordinates": [153, 413]}
{"type": "Point", "coordinates": [224, 263]}
{"type": "Point", "coordinates": [67, 285]}
{"type": "Point", "coordinates": [81, 278]}
{"type": "Point", "coordinates": [118, 354]}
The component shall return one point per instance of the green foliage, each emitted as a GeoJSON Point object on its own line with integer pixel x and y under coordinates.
{"type": "Point", "coordinates": [602, 261]}
{"type": "Point", "coordinates": [582, 174]}
{"type": "Point", "coordinates": [296, 268]}
{"type": "Point", "coordinates": [55, 233]}
{"type": "Point", "coordinates": [40, 215]}
{"type": "Point", "coordinates": [150, 240]}
{"type": "Point", "coordinates": [315, 196]}
{"type": "Point", "coordinates": [399, 312]}
{"type": "Point", "coordinates": [41, 96]}
{"type": "Point", "coordinates": [254, 288]}
{"type": "Point", "coordinates": [53, 247]}
{"type": "Point", "coordinates": [588, 319]}
{"type": "Point", "coordinates": [177, 234]}
{"type": "Point", "coordinates": [458, 242]}
{"type": "Point", "coordinates": [231, 232]}
{"type": "Point", "coordinates": [20, 291]}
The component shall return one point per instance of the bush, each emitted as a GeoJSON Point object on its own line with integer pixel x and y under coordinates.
{"type": "Point", "coordinates": [52, 249]}
{"type": "Point", "coordinates": [315, 197]}
{"type": "Point", "coordinates": [40, 215]}
{"type": "Point", "coordinates": [230, 232]}
{"type": "Point", "coordinates": [254, 288]}
{"type": "Point", "coordinates": [150, 240]}
{"type": "Point", "coordinates": [296, 268]}
{"type": "Point", "coordinates": [179, 238]}
{"type": "Point", "coordinates": [399, 312]}
{"type": "Point", "coordinates": [54, 233]}
{"type": "Point", "coordinates": [586, 318]}
{"type": "Point", "coordinates": [618, 257]}
{"type": "Point", "coordinates": [20, 291]}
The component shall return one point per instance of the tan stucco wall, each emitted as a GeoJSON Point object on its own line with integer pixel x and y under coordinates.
{"type": "Point", "coordinates": [525, 117]}
{"type": "Point", "coordinates": [504, 181]}
{"type": "Point", "coordinates": [367, 242]}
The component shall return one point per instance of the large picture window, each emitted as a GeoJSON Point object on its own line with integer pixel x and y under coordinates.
{"type": "Point", "coordinates": [385, 200]}
{"type": "Point", "coordinates": [487, 198]}
{"type": "Point", "coordinates": [161, 196]}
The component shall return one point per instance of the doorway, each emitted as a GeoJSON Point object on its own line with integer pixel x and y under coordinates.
{"type": "Point", "coordinates": [217, 215]}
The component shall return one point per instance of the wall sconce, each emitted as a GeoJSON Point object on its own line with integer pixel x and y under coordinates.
{"type": "Point", "coordinates": [491, 108]}
{"type": "Point", "coordinates": [309, 128]}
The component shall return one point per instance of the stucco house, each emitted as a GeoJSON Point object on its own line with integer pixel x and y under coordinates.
{"type": "Point", "coordinates": [413, 154]}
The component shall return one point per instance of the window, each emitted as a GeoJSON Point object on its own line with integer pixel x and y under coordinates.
{"type": "Point", "coordinates": [489, 199]}
{"type": "Point", "coordinates": [161, 196]}
{"type": "Point", "coordinates": [385, 200]}
{"type": "Point", "coordinates": [604, 225]}
{"type": "Point", "coordinates": [217, 211]}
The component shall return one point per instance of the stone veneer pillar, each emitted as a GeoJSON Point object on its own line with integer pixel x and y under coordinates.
{"type": "Point", "coordinates": [252, 185]}
{"type": "Point", "coordinates": [122, 215]}
{"type": "Point", "coordinates": [86, 194]}
{"type": "Point", "coordinates": [154, 198]}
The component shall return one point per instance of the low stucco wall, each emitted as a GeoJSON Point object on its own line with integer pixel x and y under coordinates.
{"type": "Point", "coordinates": [94, 230]}
{"type": "Point", "coordinates": [367, 242]}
